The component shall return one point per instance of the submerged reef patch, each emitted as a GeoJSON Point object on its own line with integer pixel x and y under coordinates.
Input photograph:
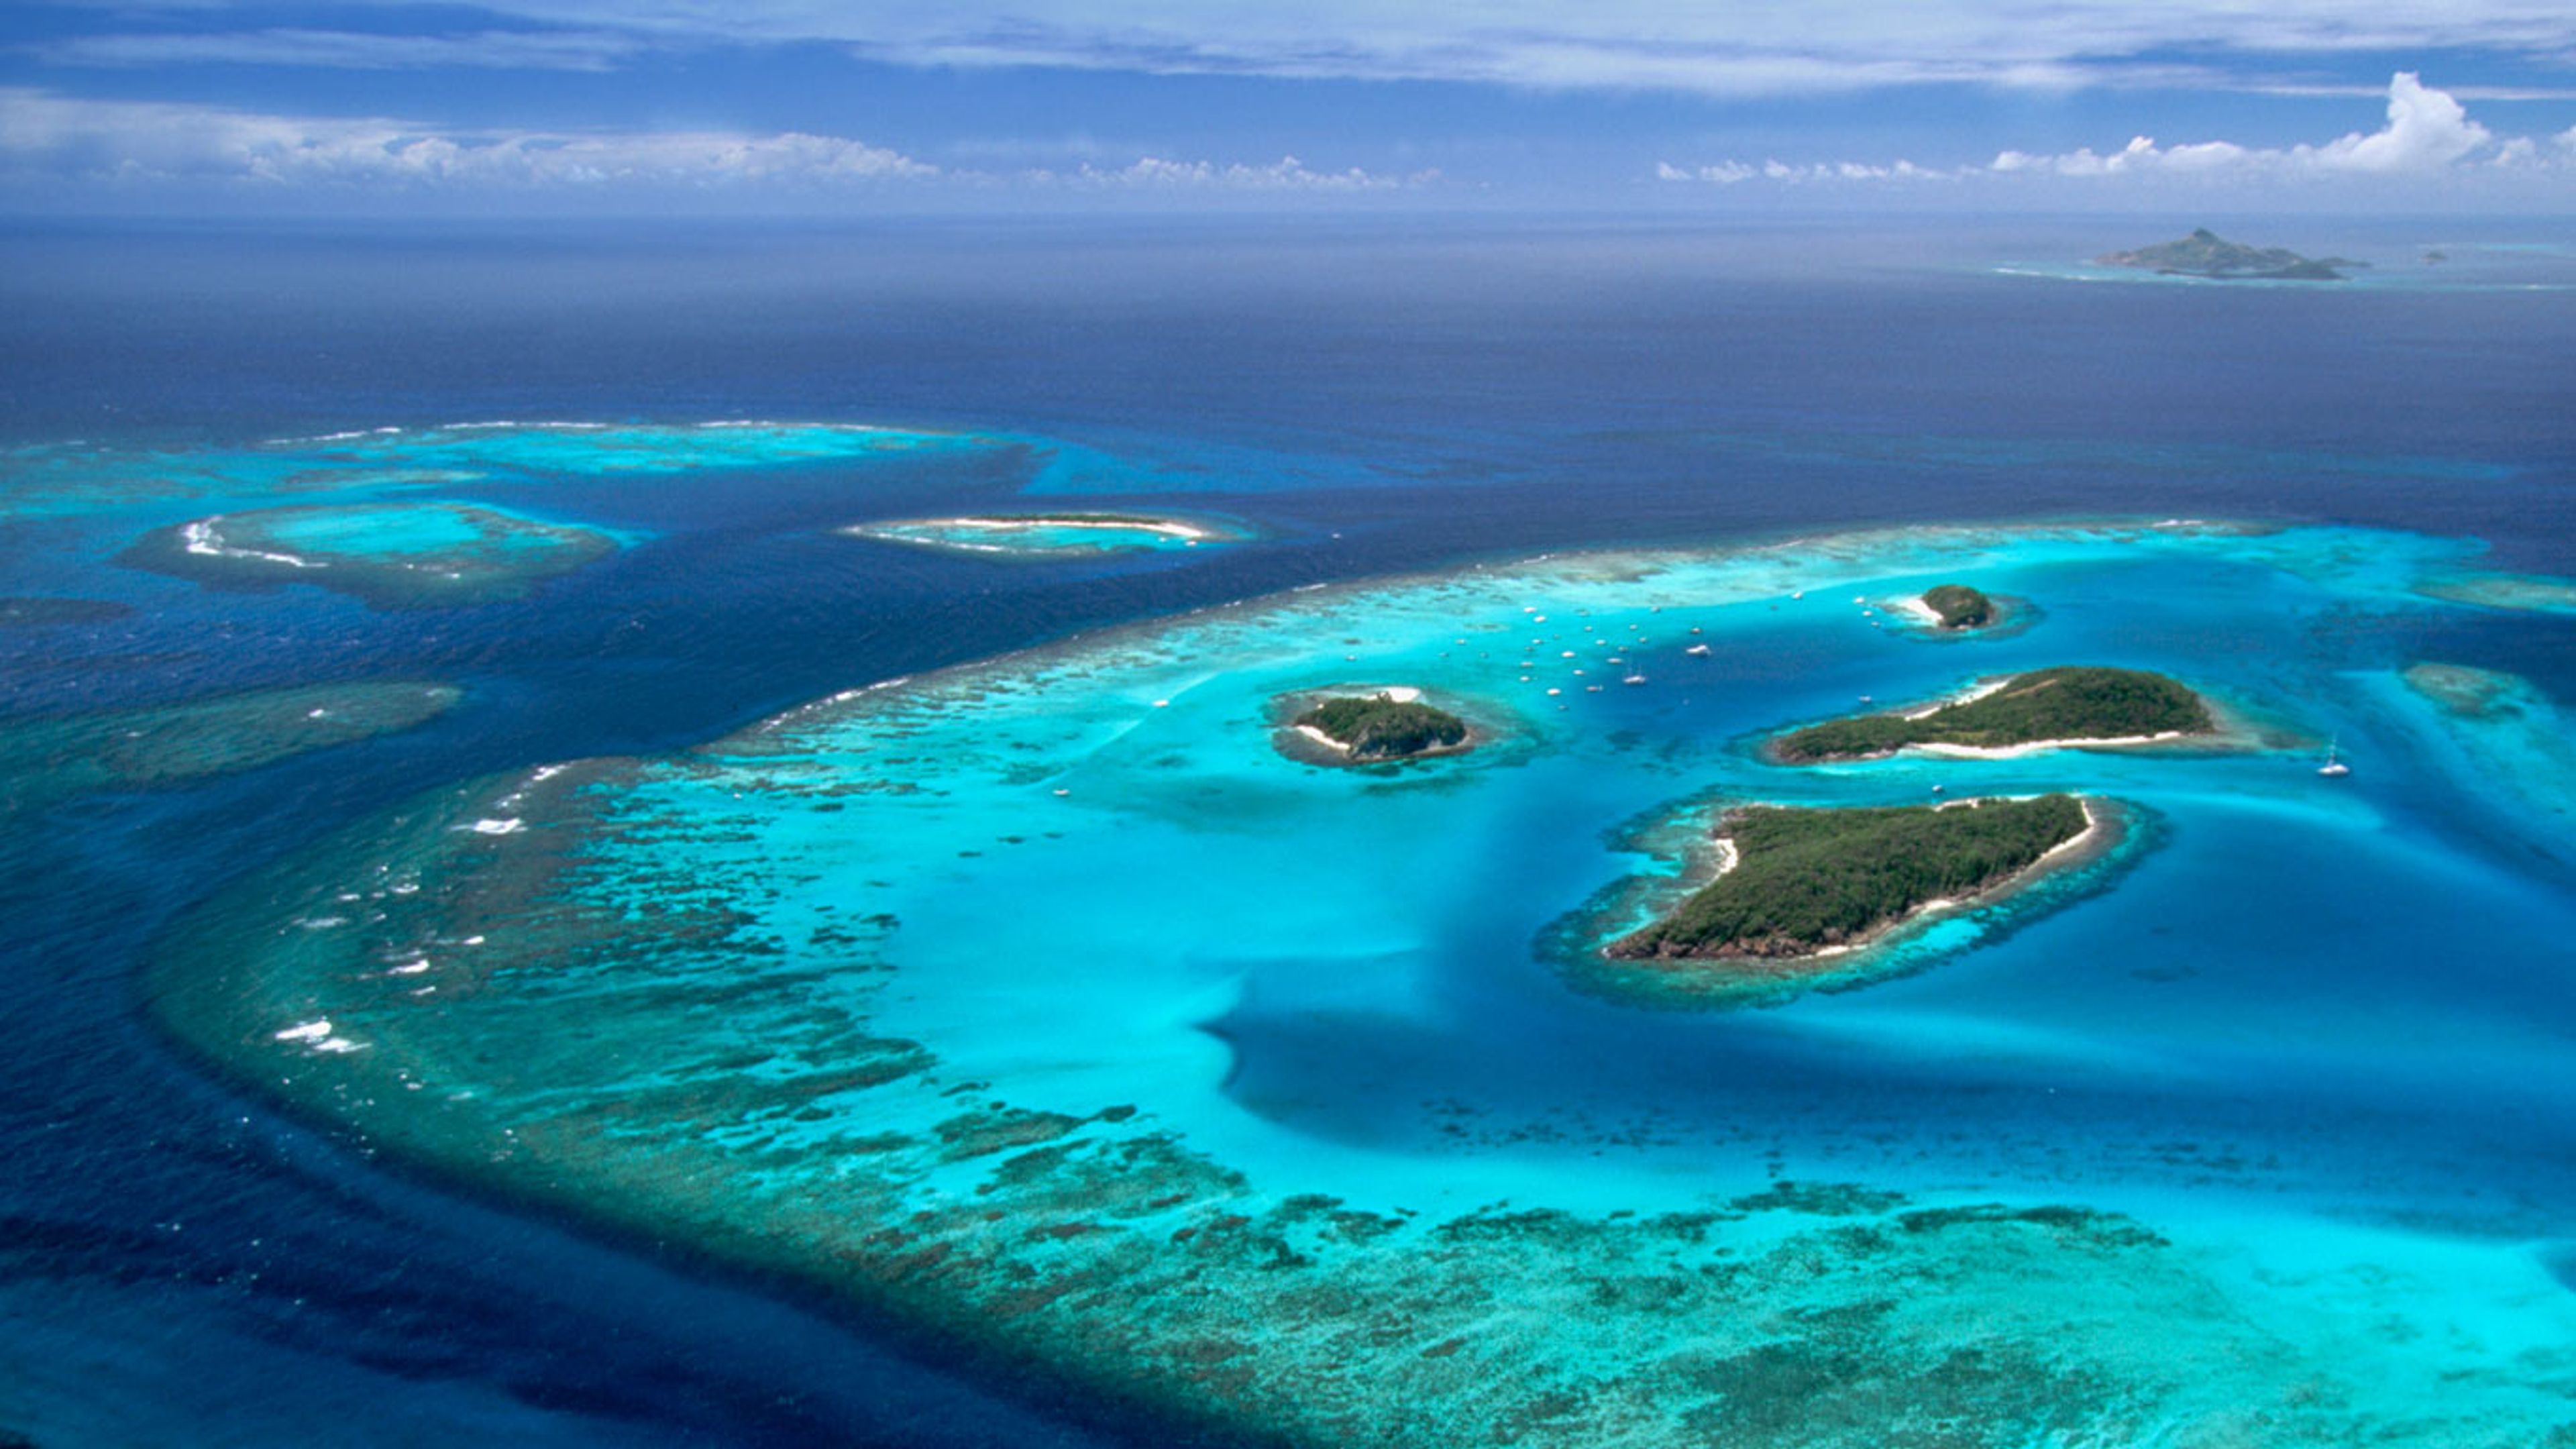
{"type": "Point", "coordinates": [1035, 1001]}
{"type": "Point", "coordinates": [643, 1049]}
{"type": "Point", "coordinates": [596, 447]}
{"type": "Point", "coordinates": [2504, 735]}
{"type": "Point", "coordinates": [1030, 537]}
{"type": "Point", "coordinates": [2482, 694]}
{"type": "Point", "coordinates": [72, 478]}
{"type": "Point", "coordinates": [392, 555]}
{"type": "Point", "coordinates": [44, 760]}
{"type": "Point", "coordinates": [2531, 593]}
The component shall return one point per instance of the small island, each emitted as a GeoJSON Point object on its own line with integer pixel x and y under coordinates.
{"type": "Point", "coordinates": [2069, 705]}
{"type": "Point", "coordinates": [1958, 606]}
{"type": "Point", "coordinates": [2206, 254]}
{"type": "Point", "coordinates": [1388, 725]}
{"type": "Point", "coordinates": [1024, 537]}
{"type": "Point", "coordinates": [1798, 883]}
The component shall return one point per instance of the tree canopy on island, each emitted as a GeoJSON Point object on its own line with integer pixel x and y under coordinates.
{"type": "Point", "coordinates": [1382, 727]}
{"type": "Point", "coordinates": [2205, 253]}
{"type": "Point", "coordinates": [2068, 703]}
{"type": "Point", "coordinates": [1806, 879]}
{"type": "Point", "coordinates": [1960, 606]}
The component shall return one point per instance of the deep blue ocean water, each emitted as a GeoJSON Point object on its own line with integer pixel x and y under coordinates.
{"type": "Point", "coordinates": [181, 1263]}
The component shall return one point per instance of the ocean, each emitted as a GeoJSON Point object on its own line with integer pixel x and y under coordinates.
{"type": "Point", "coordinates": [2257, 1127]}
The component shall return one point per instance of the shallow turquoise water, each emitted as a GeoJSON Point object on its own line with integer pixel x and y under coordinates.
{"type": "Point", "coordinates": [374, 531]}
{"type": "Point", "coordinates": [2348, 1255]}
{"type": "Point", "coordinates": [413, 553]}
{"type": "Point", "coordinates": [83, 477]}
{"type": "Point", "coordinates": [962, 993]}
{"type": "Point", "coordinates": [590, 448]}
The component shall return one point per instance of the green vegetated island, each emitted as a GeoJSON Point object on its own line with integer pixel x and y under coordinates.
{"type": "Point", "coordinates": [2205, 253]}
{"type": "Point", "coordinates": [1805, 883]}
{"type": "Point", "coordinates": [1389, 725]}
{"type": "Point", "coordinates": [1959, 606]}
{"type": "Point", "coordinates": [2072, 705]}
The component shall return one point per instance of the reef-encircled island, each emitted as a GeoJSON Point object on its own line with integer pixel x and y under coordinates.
{"type": "Point", "coordinates": [1013, 999]}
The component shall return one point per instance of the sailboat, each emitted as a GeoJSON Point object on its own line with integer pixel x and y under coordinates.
{"type": "Point", "coordinates": [2333, 766]}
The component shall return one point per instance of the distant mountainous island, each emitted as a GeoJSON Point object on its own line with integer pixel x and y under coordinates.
{"type": "Point", "coordinates": [2205, 253]}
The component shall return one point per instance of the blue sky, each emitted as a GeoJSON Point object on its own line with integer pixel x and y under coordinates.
{"type": "Point", "coordinates": [915, 105]}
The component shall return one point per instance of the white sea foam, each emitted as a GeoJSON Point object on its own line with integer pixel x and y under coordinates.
{"type": "Point", "coordinates": [347, 436]}
{"type": "Point", "coordinates": [521, 425]}
{"type": "Point", "coordinates": [201, 539]}
{"type": "Point", "coordinates": [508, 825]}
{"type": "Point", "coordinates": [1965, 696]}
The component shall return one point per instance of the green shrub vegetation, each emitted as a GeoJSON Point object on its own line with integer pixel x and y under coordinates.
{"type": "Point", "coordinates": [1959, 606]}
{"type": "Point", "coordinates": [1805, 879]}
{"type": "Point", "coordinates": [2072, 703]}
{"type": "Point", "coordinates": [1378, 727]}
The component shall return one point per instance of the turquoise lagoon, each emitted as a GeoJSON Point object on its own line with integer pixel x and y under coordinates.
{"type": "Point", "coordinates": [393, 555]}
{"type": "Point", "coordinates": [1042, 1002]}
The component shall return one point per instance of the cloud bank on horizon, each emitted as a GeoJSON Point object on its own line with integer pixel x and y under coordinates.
{"type": "Point", "coordinates": [2428, 134]}
{"type": "Point", "coordinates": [140, 142]}
{"type": "Point", "coordinates": [874, 103]}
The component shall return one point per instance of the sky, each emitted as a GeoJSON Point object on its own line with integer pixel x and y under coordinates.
{"type": "Point", "coordinates": [905, 106]}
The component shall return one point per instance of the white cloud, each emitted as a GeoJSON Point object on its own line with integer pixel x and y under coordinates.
{"type": "Point", "coordinates": [2142, 154]}
{"type": "Point", "coordinates": [1731, 173]}
{"type": "Point", "coordinates": [2427, 130]}
{"type": "Point", "coordinates": [2427, 134]}
{"type": "Point", "coordinates": [1724, 49]}
{"type": "Point", "coordinates": [43, 135]}
{"type": "Point", "coordinates": [1156, 173]}
{"type": "Point", "coordinates": [585, 50]}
